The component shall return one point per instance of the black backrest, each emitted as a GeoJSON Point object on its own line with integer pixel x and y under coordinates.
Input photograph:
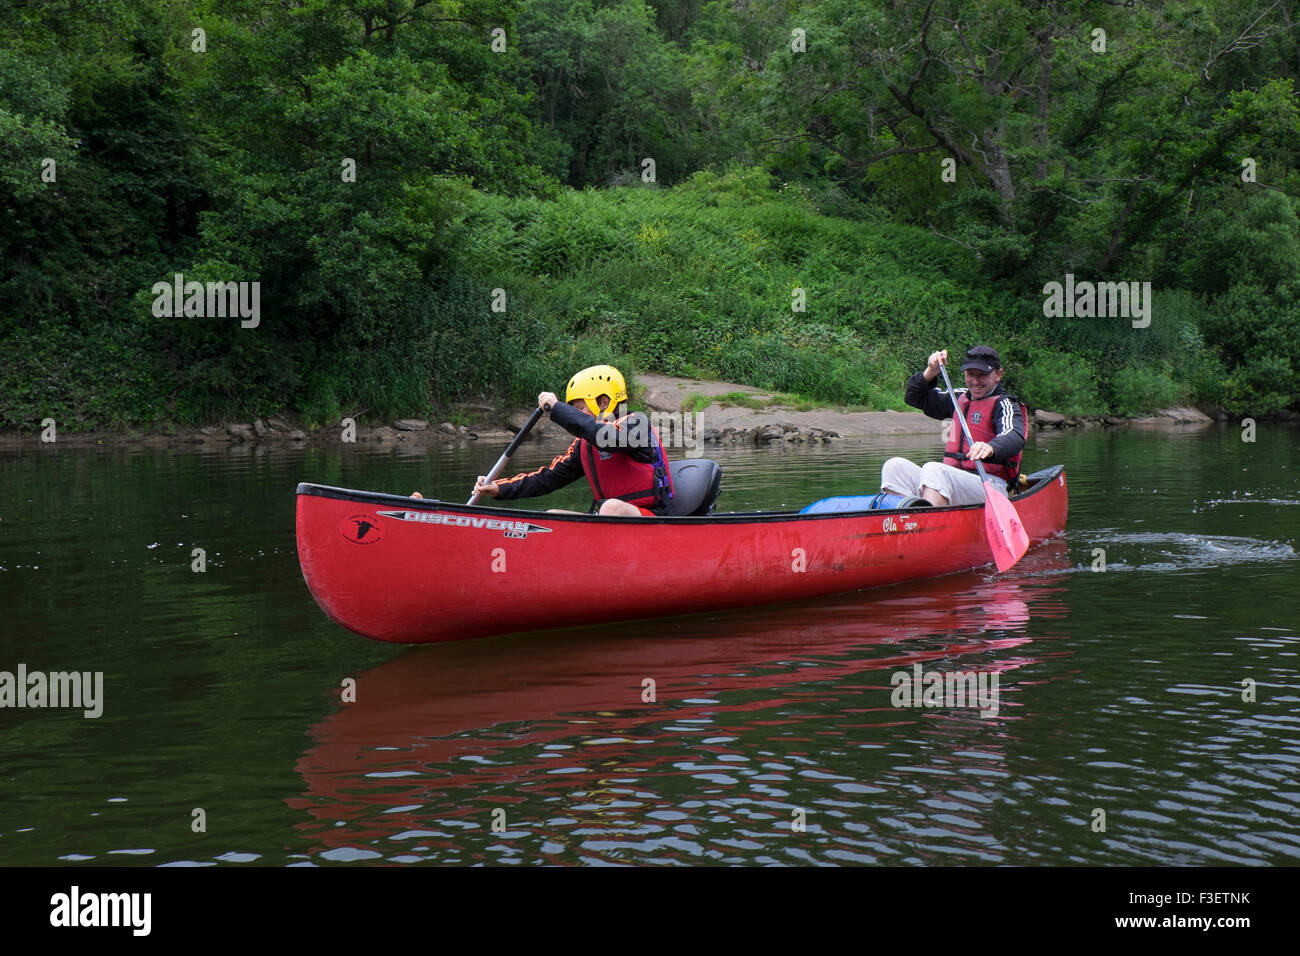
{"type": "Point", "coordinates": [695, 486]}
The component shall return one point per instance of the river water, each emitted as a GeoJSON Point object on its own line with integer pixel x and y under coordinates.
{"type": "Point", "coordinates": [1147, 712]}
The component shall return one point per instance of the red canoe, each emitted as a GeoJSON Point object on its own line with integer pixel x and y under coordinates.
{"type": "Point", "coordinates": [418, 571]}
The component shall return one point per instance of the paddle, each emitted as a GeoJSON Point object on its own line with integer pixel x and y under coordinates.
{"type": "Point", "coordinates": [510, 450]}
{"type": "Point", "coordinates": [1006, 534]}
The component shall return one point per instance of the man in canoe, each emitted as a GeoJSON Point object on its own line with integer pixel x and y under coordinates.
{"type": "Point", "coordinates": [621, 457]}
{"type": "Point", "coordinates": [997, 425]}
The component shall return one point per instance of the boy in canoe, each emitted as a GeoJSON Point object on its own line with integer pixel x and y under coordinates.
{"type": "Point", "coordinates": [997, 425]}
{"type": "Point", "coordinates": [621, 457]}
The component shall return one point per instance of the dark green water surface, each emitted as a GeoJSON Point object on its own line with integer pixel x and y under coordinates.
{"type": "Point", "coordinates": [772, 739]}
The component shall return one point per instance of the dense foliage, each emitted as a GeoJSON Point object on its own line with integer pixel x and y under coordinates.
{"type": "Point", "coordinates": [441, 198]}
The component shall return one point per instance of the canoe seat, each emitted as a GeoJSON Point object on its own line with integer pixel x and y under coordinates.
{"type": "Point", "coordinates": [1027, 482]}
{"type": "Point", "coordinates": [695, 486]}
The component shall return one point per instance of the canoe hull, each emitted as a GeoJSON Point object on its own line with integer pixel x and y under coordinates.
{"type": "Point", "coordinates": [419, 571]}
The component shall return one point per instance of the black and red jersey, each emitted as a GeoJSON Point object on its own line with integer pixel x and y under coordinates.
{"type": "Point", "coordinates": [640, 464]}
{"type": "Point", "coordinates": [1001, 423]}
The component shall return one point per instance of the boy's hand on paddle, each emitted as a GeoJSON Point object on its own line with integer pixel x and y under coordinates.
{"type": "Point", "coordinates": [979, 451]}
{"type": "Point", "coordinates": [545, 400]}
{"type": "Point", "coordinates": [936, 359]}
{"type": "Point", "coordinates": [484, 487]}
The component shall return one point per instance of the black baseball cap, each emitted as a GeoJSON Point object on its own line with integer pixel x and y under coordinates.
{"type": "Point", "coordinates": [981, 359]}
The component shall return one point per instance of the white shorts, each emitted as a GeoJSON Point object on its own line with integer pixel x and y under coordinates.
{"type": "Point", "coordinates": [959, 486]}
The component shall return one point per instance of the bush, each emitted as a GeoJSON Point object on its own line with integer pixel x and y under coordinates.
{"type": "Point", "coordinates": [1261, 388]}
{"type": "Point", "coordinates": [1138, 389]}
{"type": "Point", "coordinates": [736, 185]}
{"type": "Point", "coordinates": [1059, 383]}
{"type": "Point", "coordinates": [104, 376]}
{"type": "Point", "coordinates": [1258, 335]}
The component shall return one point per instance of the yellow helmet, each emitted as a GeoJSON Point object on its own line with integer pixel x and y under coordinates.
{"type": "Point", "coordinates": [591, 383]}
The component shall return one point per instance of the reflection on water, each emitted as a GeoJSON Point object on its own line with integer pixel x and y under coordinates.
{"type": "Point", "coordinates": [557, 732]}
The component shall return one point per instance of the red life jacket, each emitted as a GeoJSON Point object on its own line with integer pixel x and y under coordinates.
{"type": "Point", "coordinates": [979, 416]}
{"type": "Point", "coordinates": [615, 474]}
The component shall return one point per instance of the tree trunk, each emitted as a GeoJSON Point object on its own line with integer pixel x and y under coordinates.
{"type": "Point", "coordinates": [1045, 49]}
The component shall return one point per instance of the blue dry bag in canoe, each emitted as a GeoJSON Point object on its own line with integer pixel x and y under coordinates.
{"type": "Point", "coordinates": [874, 502]}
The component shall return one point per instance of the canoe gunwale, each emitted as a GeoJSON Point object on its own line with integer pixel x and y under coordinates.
{"type": "Point", "coordinates": [1045, 479]}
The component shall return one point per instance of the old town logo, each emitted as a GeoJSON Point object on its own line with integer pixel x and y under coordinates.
{"type": "Point", "coordinates": [362, 528]}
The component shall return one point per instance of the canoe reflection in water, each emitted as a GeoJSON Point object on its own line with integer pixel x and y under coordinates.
{"type": "Point", "coordinates": [578, 735]}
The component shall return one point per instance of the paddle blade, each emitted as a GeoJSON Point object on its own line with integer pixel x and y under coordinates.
{"type": "Point", "coordinates": [1007, 536]}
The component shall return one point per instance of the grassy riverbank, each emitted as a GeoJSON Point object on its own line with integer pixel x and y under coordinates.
{"type": "Point", "coordinates": [723, 277]}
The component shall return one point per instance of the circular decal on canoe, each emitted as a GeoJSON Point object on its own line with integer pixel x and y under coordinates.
{"type": "Point", "coordinates": [362, 528]}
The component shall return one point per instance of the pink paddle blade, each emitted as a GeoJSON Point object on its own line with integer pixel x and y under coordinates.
{"type": "Point", "coordinates": [1007, 536]}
